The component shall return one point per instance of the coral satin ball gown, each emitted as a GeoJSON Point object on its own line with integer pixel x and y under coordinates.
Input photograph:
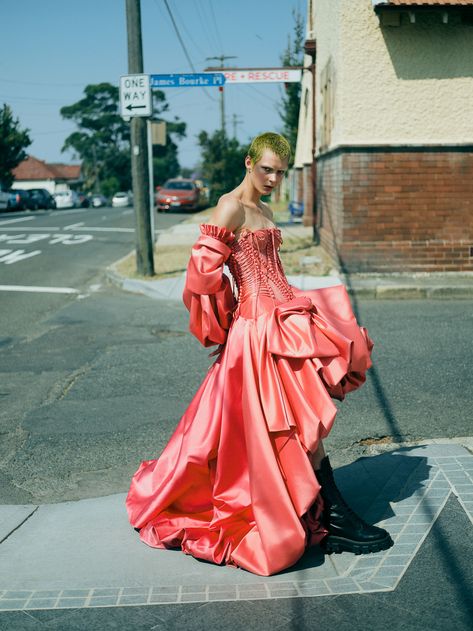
{"type": "Point", "coordinates": [234, 485]}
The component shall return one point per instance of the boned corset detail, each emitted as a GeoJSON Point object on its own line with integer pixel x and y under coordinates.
{"type": "Point", "coordinates": [256, 267]}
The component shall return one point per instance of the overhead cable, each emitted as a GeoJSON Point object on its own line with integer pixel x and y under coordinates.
{"type": "Point", "coordinates": [181, 41]}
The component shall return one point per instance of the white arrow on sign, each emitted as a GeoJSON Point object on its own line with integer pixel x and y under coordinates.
{"type": "Point", "coordinates": [135, 95]}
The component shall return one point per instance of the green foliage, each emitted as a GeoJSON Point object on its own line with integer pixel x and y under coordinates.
{"type": "Point", "coordinates": [292, 56]}
{"type": "Point", "coordinates": [222, 163]}
{"type": "Point", "coordinates": [186, 172]}
{"type": "Point", "coordinates": [102, 141]}
{"type": "Point", "coordinates": [13, 142]}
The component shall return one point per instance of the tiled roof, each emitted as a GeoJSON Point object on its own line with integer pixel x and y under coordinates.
{"type": "Point", "coordinates": [34, 169]}
{"type": "Point", "coordinates": [66, 171]}
{"type": "Point", "coordinates": [421, 3]}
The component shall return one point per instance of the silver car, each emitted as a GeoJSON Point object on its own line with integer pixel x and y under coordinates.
{"type": "Point", "coordinates": [122, 200]}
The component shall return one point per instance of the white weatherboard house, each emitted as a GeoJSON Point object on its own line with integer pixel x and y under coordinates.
{"type": "Point", "coordinates": [54, 177]}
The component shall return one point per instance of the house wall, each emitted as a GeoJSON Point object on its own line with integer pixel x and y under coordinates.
{"type": "Point", "coordinates": [394, 141]}
{"type": "Point", "coordinates": [50, 185]}
{"type": "Point", "coordinates": [407, 84]}
{"type": "Point", "coordinates": [394, 211]}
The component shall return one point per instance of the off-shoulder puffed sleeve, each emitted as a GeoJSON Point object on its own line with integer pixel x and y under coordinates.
{"type": "Point", "coordinates": [207, 293]}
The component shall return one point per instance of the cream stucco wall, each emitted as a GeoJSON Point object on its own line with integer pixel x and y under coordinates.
{"type": "Point", "coordinates": [328, 34]}
{"type": "Point", "coordinates": [410, 84]}
{"type": "Point", "coordinates": [303, 154]}
{"type": "Point", "coordinates": [326, 31]}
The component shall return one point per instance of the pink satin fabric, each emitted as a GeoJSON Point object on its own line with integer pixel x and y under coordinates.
{"type": "Point", "coordinates": [234, 485]}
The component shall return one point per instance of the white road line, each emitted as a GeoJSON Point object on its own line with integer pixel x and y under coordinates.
{"type": "Point", "coordinates": [27, 229]}
{"type": "Point", "coordinates": [35, 289]}
{"type": "Point", "coordinates": [73, 225]}
{"type": "Point", "coordinates": [2, 223]}
{"type": "Point", "coordinates": [58, 229]}
{"type": "Point", "coordinates": [71, 211]}
{"type": "Point", "coordinates": [99, 229]}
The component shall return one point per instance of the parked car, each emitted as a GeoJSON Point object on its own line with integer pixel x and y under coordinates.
{"type": "Point", "coordinates": [84, 201]}
{"type": "Point", "coordinates": [41, 198]}
{"type": "Point", "coordinates": [178, 193]}
{"type": "Point", "coordinates": [4, 199]}
{"type": "Point", "coordinates": [98, 201]}
{"type": "Point", "coordinates": [67, 199]}
{"type": "Point", "coordinates": [122, 200]}
{"type": "Point", "coordinates": [20, 199]}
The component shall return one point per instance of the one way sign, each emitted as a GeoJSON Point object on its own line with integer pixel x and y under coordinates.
{"type": "Point", "coordinates": [135, 95]}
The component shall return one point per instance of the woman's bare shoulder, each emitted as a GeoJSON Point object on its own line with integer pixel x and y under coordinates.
{"type": "Point", "coordinates": [267, 211]}
{"type": "Point", "coordinates": [228, 213]}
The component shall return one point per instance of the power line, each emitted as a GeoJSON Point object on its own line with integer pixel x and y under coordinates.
{"type": "Point", "coordinates": [212, 13]}
{"type": "Point", "coordinates": [46, 84]}
{"type": "Point", "coordinates": [181, 41]}
{"type": "Point", "coordinates": [30, 99]}
{"type": "Point", "coordinates": [204, 23]}
{"type": "Point", "coordinates": [188, 33]}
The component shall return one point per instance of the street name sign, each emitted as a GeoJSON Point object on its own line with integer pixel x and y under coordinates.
{"type": "Point", "coordinates": [192, 80]}
{"type": "Point", "coordinates": [135, 95]}
{"type": "Point", "coordinates": [261, 75]}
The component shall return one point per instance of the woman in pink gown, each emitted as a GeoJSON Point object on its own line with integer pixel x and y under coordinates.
{"type": "Point", "coordinates": [244, 479]}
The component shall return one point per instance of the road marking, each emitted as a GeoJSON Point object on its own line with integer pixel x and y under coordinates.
{"type": "Point", "coordinates": [14, 256]}
{"type": "Point", "coordinates": [100, 229]}
{"type": "Point", "coordinates": [66, 239]}
{"type": "Point", "coordinates": [34, 289]}
{"type": "Point", "coordinates": [2, 223]}
{"type": "Point", "coordinates": [26, 228]}
{"type": "Point", "coordinates": [71, 211]}
{"type": "Point", "coordinates": [85, 228]}
{"type": "Point", "coordinates": [73, 225]}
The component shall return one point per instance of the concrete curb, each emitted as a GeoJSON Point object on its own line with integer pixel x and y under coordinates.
{"type": "Point", "coordinates": [396, 286]}
{"type": "Point", "coordinates": [356, 288]}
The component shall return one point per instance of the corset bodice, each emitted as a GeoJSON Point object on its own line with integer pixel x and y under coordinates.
{"type": "Point", "coordinates": [256, 268]}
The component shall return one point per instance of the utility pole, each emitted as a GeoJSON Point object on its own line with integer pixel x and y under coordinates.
{"type": "Point", "coordinates": [139, 150]}
{"type": "Point", "coordinates": [221, 59]}
{"type": "Point", "coordinates": [236, 120]}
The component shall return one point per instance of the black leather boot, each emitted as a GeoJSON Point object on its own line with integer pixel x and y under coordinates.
{"type": "Point", "coordinates": [346, 531]}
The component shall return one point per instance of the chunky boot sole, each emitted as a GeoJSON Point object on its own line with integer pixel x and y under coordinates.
{"type": "Point", "coordinates": [332, 543]}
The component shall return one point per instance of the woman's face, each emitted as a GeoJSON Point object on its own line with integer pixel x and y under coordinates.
{"type": "Point", "coordinates": [267, 173]}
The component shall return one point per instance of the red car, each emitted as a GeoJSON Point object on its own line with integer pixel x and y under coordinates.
{"type": "Point", "coordinates": [179, 194]}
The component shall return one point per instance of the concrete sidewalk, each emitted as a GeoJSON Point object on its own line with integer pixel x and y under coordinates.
{"type": "Point", "coordinates": [448, 285]}
{"type": "Point", "coordinates": [71, 557]}
{"type": "Point", "coordinates": [79, 565]}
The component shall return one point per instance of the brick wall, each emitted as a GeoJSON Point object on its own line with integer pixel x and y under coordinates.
{"type": "Point", "coordinates": [391, 210]}
{"type": "Point", "coordinates": [308, 188]}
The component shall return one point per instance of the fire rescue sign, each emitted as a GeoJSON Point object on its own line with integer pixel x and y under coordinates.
{"type": "Point", "coordinates": [135, 95]}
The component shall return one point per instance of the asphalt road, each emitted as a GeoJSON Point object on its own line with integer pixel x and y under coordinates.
{"type": "Point", "coordinates": [65, 250]}
{"type": "Point", "coordinates": [95, 381]}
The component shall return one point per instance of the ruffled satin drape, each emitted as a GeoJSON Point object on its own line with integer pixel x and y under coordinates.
{"type": "Point", "coordinates": [234, 484]}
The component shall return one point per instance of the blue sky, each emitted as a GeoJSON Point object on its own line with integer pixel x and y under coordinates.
{"type": "Point", "coordinates": [51, 49]}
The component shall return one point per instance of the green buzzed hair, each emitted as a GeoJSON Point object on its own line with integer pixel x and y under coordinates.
{"type": "Point", "coordinates": [272, 141]}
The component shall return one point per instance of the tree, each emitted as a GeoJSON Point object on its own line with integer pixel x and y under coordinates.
{"type": "Point", "coordinates": [103, 139]}
{"type": "Point", "coordinates": [13, 142]}
{"type": "Point", "coordinates": [292, 56]}
{"type": "Point", "coordinates": [222, 162]}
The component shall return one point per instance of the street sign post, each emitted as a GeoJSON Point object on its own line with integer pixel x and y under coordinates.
{"type": "Point", "coordinates": [259, 75]}
{"type": "Point", "coordinates": [193, 80]}
{"type": "Point", "coordinates": [135, 95]}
